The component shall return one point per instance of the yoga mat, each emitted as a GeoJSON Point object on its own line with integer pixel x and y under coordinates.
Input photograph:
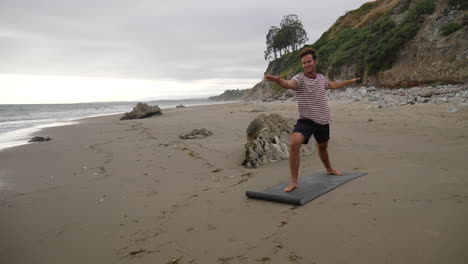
{"type": "Point", "coordinates": [310, 187]}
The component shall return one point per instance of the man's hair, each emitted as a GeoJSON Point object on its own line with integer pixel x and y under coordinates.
{"type": "Point", "coordinates": [308, 51]}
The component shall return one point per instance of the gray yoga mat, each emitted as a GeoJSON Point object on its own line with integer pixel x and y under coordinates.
{"type": "Point", "coordinates": [310, 187]}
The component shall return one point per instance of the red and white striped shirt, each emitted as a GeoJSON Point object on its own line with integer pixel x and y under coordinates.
{"type": "Point", "coordinates": [312, 99]}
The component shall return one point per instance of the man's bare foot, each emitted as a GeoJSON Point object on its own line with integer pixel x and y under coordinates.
{"type": "Point", "coordinates": [291, 187]}
{"type": "Point", "coordinates": [334, 172]}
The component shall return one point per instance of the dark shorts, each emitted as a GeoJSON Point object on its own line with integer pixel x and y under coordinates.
{"type": "Point", "coordinates": [308, 128]}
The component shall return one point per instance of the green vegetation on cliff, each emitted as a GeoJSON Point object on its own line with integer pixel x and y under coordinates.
{"type": "Point", "coordinates": [369, 39]}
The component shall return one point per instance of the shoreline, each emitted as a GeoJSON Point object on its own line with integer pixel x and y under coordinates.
{"type": "Point", "coordinates": [131, 191]}
{"type": "Point", "coordinates": [21, 136]}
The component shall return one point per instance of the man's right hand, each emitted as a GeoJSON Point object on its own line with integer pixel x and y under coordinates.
{"type": "Point", "coordinates": [272, 78]}
{"type": "Point", "coordinates": [288, 84]}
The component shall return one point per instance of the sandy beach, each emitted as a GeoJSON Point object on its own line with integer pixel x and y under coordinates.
{"type": "Point", "coordinates": [112, 191]}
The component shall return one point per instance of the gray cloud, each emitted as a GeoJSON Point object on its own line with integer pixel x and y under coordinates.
{"type": "Point", "coordinates": [172, 40]}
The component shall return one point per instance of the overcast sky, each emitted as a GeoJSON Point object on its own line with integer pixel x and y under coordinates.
{"type": "Point", "coordinates": [56, 51]}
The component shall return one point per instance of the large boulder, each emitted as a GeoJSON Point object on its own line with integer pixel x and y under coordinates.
{"type": "Point", "coordinates": [268, 140]}
{"type": "Point", "coordinates": [142, 110]}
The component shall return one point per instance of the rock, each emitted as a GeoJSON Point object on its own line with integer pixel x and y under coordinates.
{"type": "Point", "coordinates": [196, 134]}
{"type": "Point", "coordinates": [370, 119]}
{"type": "Point", "coordinates": [374, 98]}
{"type": "Point", "coordinates": [456, 99]}
{"type": "Point", "coordinates": [180, 106]}
{"type": "Point", "coordinates": [426, 94]}
{"type": "Point", "coordinates": [268, 140]}
{"type": "Point", "coordinates": [371, 89]}
{"type": "Point", "coordinates": [281, 98]}
{"type": "Point", "coordinates": [451, 109]}
{"type": "Point", "coordinates": [455, 94]}
{"type": "Point", "coordinates": [142, 110]}
{"type": "Point", "coordinates": [39, 139]}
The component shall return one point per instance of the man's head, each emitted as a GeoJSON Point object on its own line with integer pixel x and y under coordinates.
{"type": "Point", "coordinates": [309, 60]}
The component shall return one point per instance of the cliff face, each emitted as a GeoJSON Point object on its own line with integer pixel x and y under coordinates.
{"type": "Point", "coordinates": [428, 57]}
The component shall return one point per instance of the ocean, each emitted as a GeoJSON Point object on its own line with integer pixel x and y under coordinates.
{"type": "Point", "coordinates": [20, 122]}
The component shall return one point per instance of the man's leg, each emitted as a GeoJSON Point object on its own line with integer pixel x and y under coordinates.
{"type": "Point", "coordinates": [323, 153]}
{"type": "Point", "coordinates": [294, 159]}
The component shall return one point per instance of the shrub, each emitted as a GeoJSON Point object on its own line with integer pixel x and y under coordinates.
{"type": "Point", "coordinates": [424, 7]}
{"type": "Point", "coordinates": [459, 4]}
{"type": "Point", "coordinates": [448, 29]}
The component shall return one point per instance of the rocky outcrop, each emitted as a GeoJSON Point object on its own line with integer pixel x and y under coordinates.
{"type": "Point", "coordinates": [429, 57]}
{"type": "Point", "coordinates": [380, 98]}
{"type": "Point", "coordinates": [268, 140]}
{"type": "Point", "coordinates": [196, 134]}
{"type": "Point", "coordinates": [142, 110]}
{"type": "Point", "coordinates": [39, 139]}
{"type": "Point", "coordinates": [180, 106]}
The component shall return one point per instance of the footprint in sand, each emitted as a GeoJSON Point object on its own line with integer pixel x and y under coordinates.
{"type": "Point", "coordinates": [151, 194]}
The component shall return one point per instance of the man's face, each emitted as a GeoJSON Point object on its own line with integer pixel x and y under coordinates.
{"type": "Point", "coordinates": [309, 64]}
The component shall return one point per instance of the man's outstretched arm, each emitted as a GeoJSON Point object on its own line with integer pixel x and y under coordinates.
{"type": "Point", "coordinates": [338, 85]}
{"type": "Point", "coordinates": [288, 84]}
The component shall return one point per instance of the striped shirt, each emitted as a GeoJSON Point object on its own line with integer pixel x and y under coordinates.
{"type": "Point", "coordinates": [311, 98]}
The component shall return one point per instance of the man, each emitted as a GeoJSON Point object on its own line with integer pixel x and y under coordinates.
{"type": "Point", "coordinates": [314, 114]}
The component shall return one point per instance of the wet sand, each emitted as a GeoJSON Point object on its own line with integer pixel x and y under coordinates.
{"type": "Point", "coordinates": [111, 191]}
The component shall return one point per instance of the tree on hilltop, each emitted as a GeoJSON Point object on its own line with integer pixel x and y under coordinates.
{"type": "Point", "coordinates": [285, 39]}
{"type": "Point", "coordinates": [295, 33]}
